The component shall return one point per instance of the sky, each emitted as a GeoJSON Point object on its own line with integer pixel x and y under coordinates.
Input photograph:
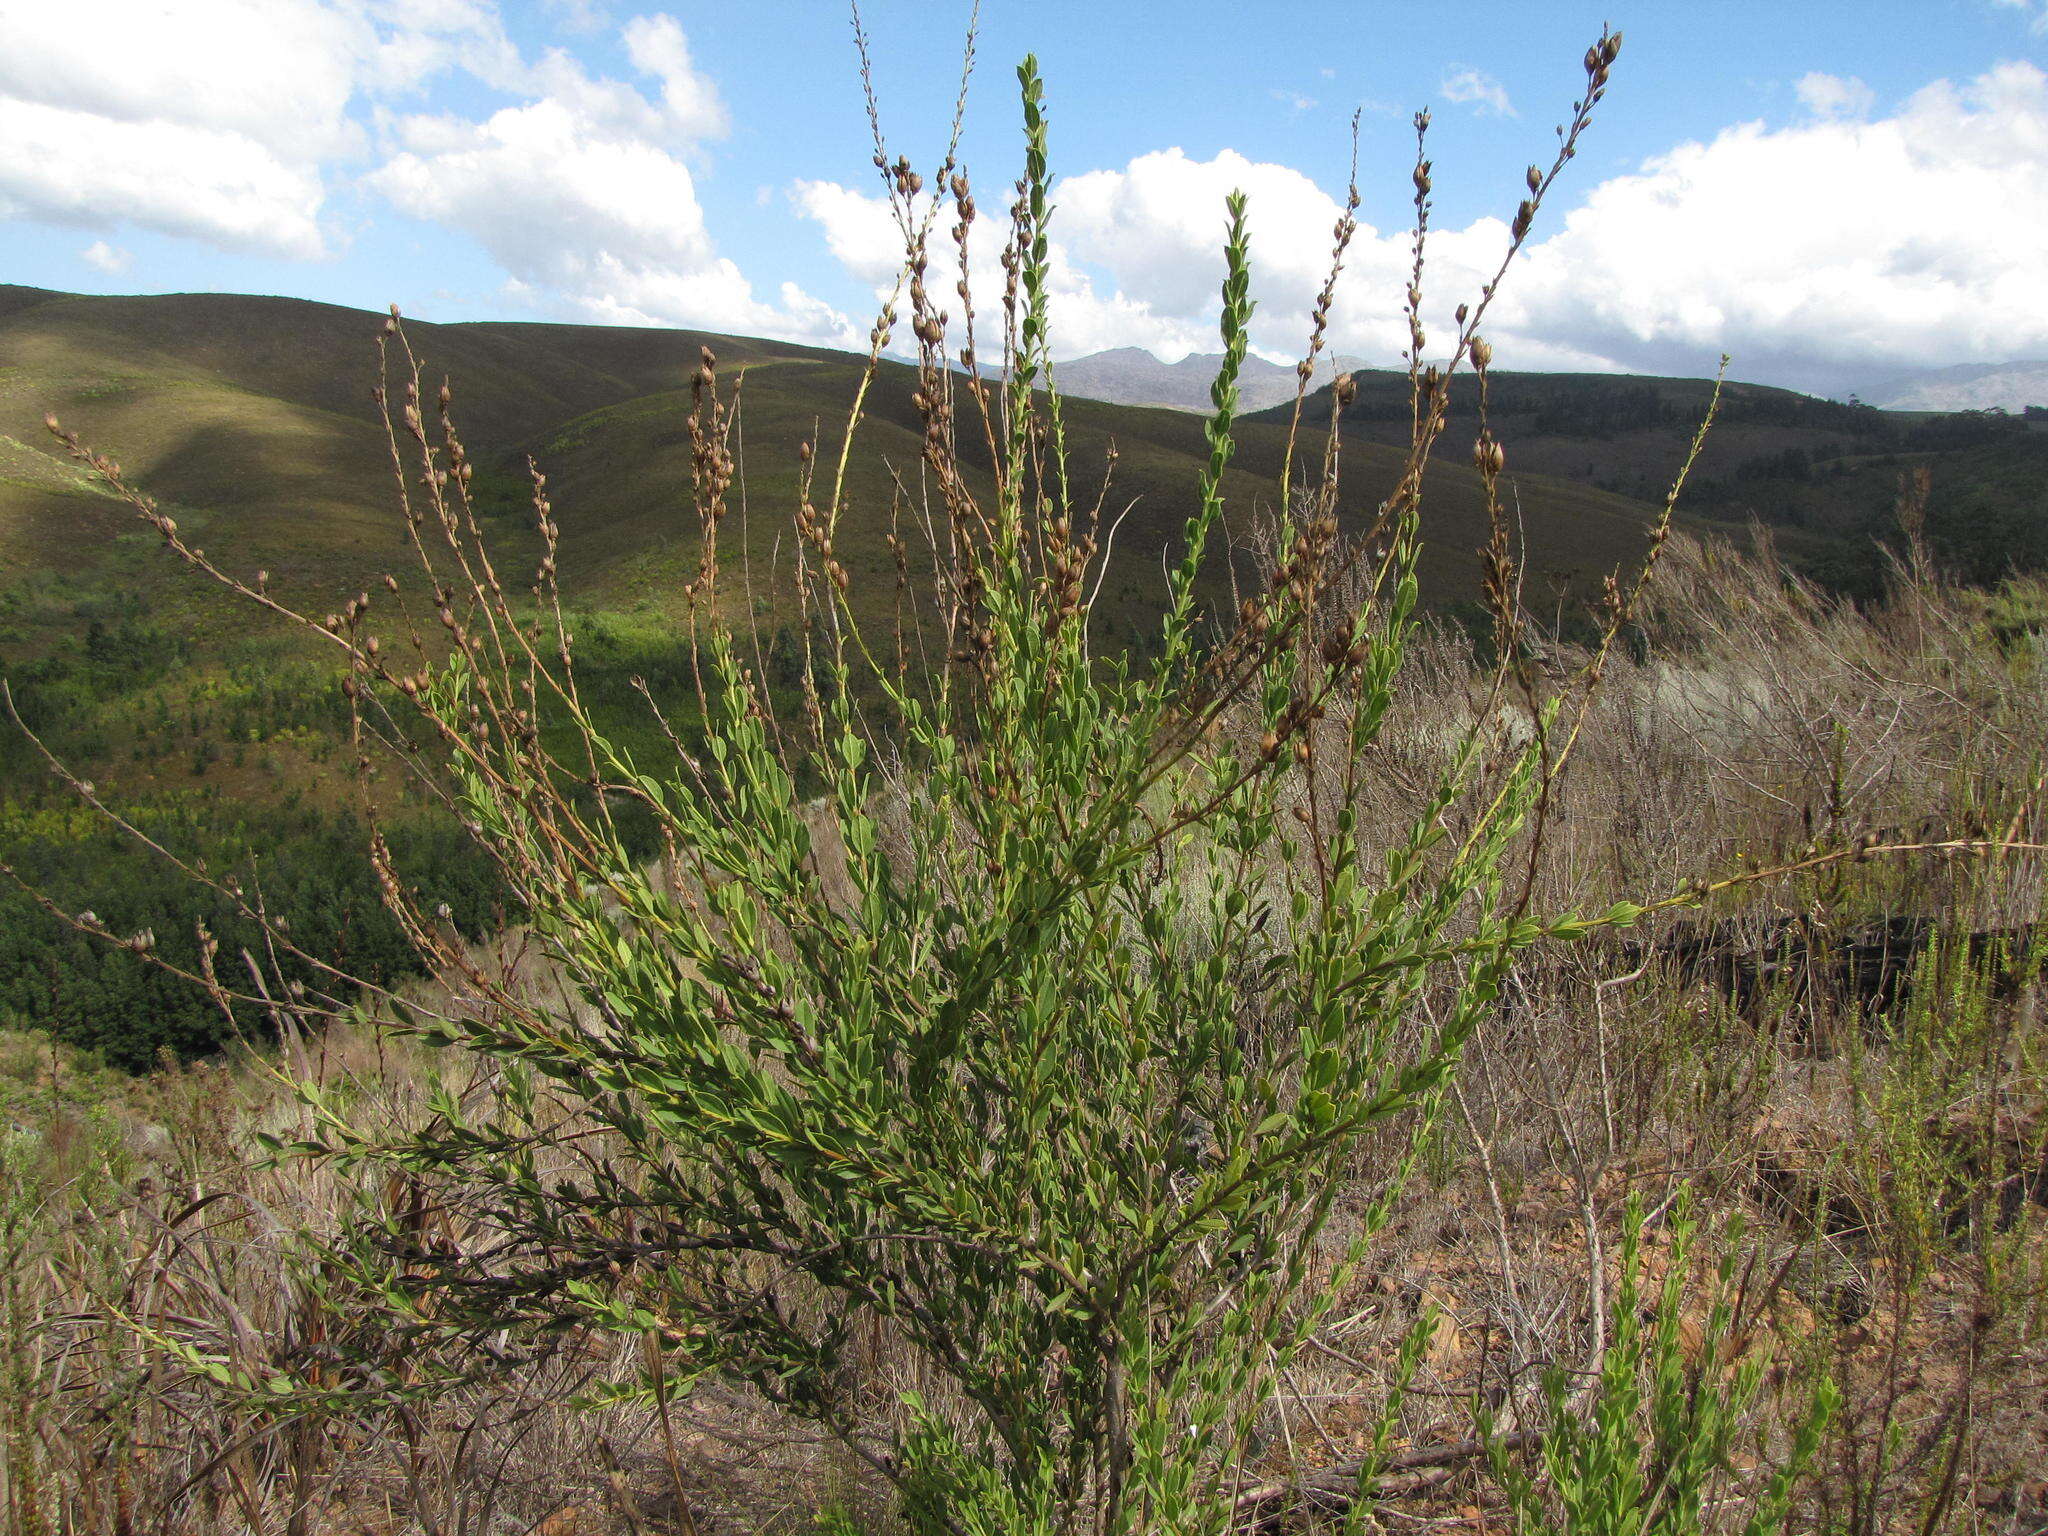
{"type": "Point", "coordinates": [1829, 192]}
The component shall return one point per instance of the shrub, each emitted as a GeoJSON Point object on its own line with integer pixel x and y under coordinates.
{"type": "Point", "coordinates": [1040, 1054]}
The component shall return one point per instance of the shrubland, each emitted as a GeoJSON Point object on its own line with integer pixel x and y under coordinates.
{"type": "Point", "coordinates": [967, 1075]}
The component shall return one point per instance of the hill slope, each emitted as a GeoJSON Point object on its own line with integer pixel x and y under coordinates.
{"type": "Point", "coordinates": [252, 419]}
{"type": "Point", "coordinates": [254, 416]}
{"type": "Point", "coordinates": [1824, 475]}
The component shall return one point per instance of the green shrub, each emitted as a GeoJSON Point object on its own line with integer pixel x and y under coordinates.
{"type": "Point", "coordinates": [998, 1108]}
{"type": "Point", "coordinates": [1649, 1447]}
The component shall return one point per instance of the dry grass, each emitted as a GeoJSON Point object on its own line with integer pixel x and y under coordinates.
{"type": "Point", "coordinates": [1873, 1154]}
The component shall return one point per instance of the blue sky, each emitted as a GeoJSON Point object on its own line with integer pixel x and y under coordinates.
{"type": "Point", "coordinates": [1828, 191]}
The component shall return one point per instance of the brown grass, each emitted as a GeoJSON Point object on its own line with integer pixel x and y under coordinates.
{"type": "Point", "coordinates": [1876, 1159]}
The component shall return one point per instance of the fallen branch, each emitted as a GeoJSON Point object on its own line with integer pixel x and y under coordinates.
{"type": "Point", "coordinates": [1337, 1486]}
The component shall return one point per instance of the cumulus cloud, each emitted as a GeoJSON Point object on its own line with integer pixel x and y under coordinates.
{"type": "Point", "coordinates": [1477, 89]}
{"type": "Point", "coordinates": [102, 257]}
{"type": "Point", "coordinates": [1834, 95]}
{"type": "Point", "coordinates": [1136, 257]}
{"type": "Point", "coordinates": [214, 124]}
{"type": "Point", "coordinates": [1815, 252]}
{"type": "Point", "coordinates": [236, 123]}
{"type": "Point", "coordinates": [72, 167]}
{"type": "Point", "coordinates": [583, 192]}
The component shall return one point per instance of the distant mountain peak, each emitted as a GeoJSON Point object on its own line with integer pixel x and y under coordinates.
{"type": "Point", "coordinates": [1969, 387]}
{"type": "Point", "coordinates": [1134, 376]}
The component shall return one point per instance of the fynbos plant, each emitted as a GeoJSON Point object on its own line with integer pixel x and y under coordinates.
{"type": "Point", "coordinates": [1651, 1447]}
{"type": "Point", "coordinates": [1039, 1047]}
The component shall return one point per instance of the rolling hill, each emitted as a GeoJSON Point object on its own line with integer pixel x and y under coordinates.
{"type": "Point", "coordinates": [1825, 476]}
{"type": "Point", "coordinates": [252, 420]}
{"type": "Point", "coordinates": [253, 416]}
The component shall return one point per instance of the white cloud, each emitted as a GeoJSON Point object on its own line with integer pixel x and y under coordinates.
{"type": "Point", "coordinates": [1136, 258]}
{"type": "Point", "coordinates": [1834, 95]}
{"type": "Point", "coordinates": [1814, 252]}
{"type": "Point", "coordinates": [73, 167]}
{"type": "Point", "coordinates": [102, 257]}
{"type": "Point", "coordinates": [215, 123]}
{"type": "Point", "coordinates": [234, 122]}
{"type": "Point", "coordinates": [658, 48]}
{"type": "Point", "coordinates": [1295, 102]}
{"type": "Point", "coordinates": [583, 192]}
{"type": "Point", "coordinates": [276, 71]}
{"type": "Point", "coordinates": [1828, 245]}
{"type": "Point", "coordinates": [1479, 90]}
{"type": "Point", "coordinates": [577, 15]}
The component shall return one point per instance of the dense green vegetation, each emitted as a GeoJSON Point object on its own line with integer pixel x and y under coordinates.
{"type": "Point", "coordinates": [1823, 476]}
{"type": "Point", "coordinates": [253, 420]}
{"type": "Point", "coordinates": [1075, 1037]}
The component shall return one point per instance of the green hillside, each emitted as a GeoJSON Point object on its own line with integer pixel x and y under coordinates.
{"type": "Point", "coordinates": [254, 415]}
{"type": "Point", "coordinates": [252, 420]}
{"type": "Point", "coordinates": [1822, 474]}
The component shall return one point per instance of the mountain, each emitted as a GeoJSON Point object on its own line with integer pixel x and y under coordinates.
{"type": "Point", "coordinates": [1973, 387]}
{"type": "Point", "coordinates": [1133, 376]}
{"type": "Point", "coordinates": [1823, 476]}
{"type": "Point", "coordinates": [251, 420]}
